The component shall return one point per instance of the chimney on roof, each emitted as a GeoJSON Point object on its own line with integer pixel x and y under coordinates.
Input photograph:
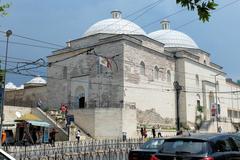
{"type": "Point", "coordinates": [116, 14]}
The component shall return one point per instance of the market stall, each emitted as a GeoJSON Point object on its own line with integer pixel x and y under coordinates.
{"type": "Point", "coordinates": [31, 129]}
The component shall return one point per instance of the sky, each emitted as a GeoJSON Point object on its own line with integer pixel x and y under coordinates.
{"type": "Point", "coordinates": [58, 21]}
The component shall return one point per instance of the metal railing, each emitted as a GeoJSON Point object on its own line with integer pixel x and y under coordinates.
{"type": "Point", "coordinates": [115, 149]}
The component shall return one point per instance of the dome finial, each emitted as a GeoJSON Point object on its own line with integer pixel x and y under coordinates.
{"type": "Point", "coordinates": [165, 24]}
{"type": "Point", "coordinates": [116, 14]}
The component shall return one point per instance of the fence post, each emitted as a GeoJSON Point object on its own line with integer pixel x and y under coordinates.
{"type": "Point", "coordinates": [55, 156]}
{"type": "Point", "coordinates": [44, 149]}
{"type": "Point", "coordinates": [109, 153]}
{"type": "Point", "coordinates": [25, 151]}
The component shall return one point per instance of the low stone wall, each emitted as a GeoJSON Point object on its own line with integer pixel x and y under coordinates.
{"type": "Point", "coordinates": [107, 122]}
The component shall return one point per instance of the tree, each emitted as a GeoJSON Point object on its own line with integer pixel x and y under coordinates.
{"type": "Point", "coordinates": [3, 9]}
{"type": "Point", "coordinates": [203, 7]}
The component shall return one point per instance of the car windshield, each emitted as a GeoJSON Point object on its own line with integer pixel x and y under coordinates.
{"type": "Point", "coordinates": [184, 146]}
{"type": "Point", "coordinates": [152, 144]}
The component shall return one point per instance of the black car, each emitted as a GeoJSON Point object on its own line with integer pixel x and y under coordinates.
{"type": "Point", "coordinates": [146, 150]}
{"type": "Point", "coordinates": [200, 147]}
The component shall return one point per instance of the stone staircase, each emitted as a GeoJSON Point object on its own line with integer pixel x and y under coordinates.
{"type": "Point", "coordinates": [211, 127]}
{"type": "Point", "coordinates": [205, 126]}
{"type": "Point", "coordinates": [58, 120]}
{"type": "Point", "coordinates": [62, 134]}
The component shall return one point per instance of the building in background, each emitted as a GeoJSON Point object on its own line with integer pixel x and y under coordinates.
{"type": "Point", "coordinates": [116, 78]}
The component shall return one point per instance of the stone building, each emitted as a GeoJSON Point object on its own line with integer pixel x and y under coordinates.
{"type": "Point", "coordinates": [27, 95]}
{"type": "Point", "coordinates": [134, 84]}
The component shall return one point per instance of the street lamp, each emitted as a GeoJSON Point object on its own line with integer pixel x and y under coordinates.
{"type": "Point", "coordinates": [178, 89]}
{"type": "Point", "coordinates": [215, 77]}
{"type": "Point", "coordinates": [8, 34]}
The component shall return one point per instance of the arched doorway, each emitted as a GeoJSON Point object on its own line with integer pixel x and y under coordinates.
{"type": "Point", "coordinates": [80, 97]}
{"type": "Point", "coordinates": [81, 102]}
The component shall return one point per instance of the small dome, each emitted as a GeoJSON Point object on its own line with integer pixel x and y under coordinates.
{"type": "Point", "coordinates": [10, 86]}
{"type": "Point", "coordinates": [20, 87]}
{"type": "Point", "coordinates": [172, 38]}
{"type": "Point", "coordinates": [37, 80]}
{"type": "Point", "coordinates": [115, 25]}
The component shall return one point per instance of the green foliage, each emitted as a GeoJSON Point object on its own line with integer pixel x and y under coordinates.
{"type": "Point", "coordinates": [203, 7]}
{"type": "Point", "coordinates": [46, 109]}
{"type": "Point", "coordinates": [3, 9]}
{"type": "Point", "coordinates": [200, 109]}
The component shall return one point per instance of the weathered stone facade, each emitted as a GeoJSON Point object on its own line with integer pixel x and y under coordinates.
{"type": "Point", "coordinates": [136, 87]}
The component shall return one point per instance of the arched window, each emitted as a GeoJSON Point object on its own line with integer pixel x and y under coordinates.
{"type": "Point", "coordinates": [198, 100]}
{"type": "Point", "coordinates": [65, 72]}
{"type": "Point", "coordinates": [156, 72]}
{"type": "Point", "coordinates": [168, 76]}
{"type": "Point", "coordinates": [197, 80]}
{"type": "Point", "coordinates": [142, 68]}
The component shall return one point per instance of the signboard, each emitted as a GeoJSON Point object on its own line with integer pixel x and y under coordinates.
{"type": "Point", "coordinates": [45, 135]}
{"type": "Point", "coordinates": [213, 110]}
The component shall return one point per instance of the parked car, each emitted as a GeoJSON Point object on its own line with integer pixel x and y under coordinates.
{"type": "Point", "coordinates": [5, 156]}
{"type": "Point", "coordinates": [146, 150]}
{"type": "Point", "coordinates": [200, 147]}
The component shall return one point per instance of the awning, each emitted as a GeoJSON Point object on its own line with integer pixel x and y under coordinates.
{"type": "Point", "coordinates": [28, 117]}
{"type": "Point", "coordinates": [39, 123]}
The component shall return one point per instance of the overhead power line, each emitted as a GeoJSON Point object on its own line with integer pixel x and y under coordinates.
{"type": "Point", "coordinates": [33, 39]}
{"type": "Point", "coordinates": [26, 44]}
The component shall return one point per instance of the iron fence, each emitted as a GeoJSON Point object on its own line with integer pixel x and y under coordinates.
{"type": "Point", "coordinates": [115, 149]}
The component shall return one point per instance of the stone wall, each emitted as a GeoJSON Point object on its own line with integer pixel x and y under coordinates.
{"type": "Point", "coordinates": [146, 91]}
{"type": "Point", "coordinates": [10, 112]}
{"type": "Point", "coordinates": [27, 97]}
{"type": "Point", "coordinates": [106, 122]}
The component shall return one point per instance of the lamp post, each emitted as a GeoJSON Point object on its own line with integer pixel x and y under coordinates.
{"type": "Point", "coordinates": [215, 77]}
{"type": "Point", "coordinates": [8, 34]}
{"type": "Point", "coordinates": [178, 89]}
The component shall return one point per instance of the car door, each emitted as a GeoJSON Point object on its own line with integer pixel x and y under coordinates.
{"type": "Point", "coordinates": [235, 143]}
{"type": "Point", "coordinates": [225, 148]}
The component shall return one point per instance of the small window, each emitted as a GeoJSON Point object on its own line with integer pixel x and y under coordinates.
{"type": "Point", "coordinates": [142, 68]}
{"type": "Point", "coordinates": [198, 103]}
{"type": "Point", "coordinates": [168, 76]}
{"type": "Point", "coordinates": [99, 69]}
{"type": "Point", "coordinates": [156, 73]}
{"type": "Point", "coordinates": [197, 80]}
{"type": "Point", "coordinates": [230, 113]}
{"type": "Point", "coordinates": [65, 72]}
{"type": "Point", "coordinates": [204, 62]}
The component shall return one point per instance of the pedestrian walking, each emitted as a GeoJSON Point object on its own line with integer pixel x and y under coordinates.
{"type": "Point", "coordinates": [78, 135]}
{"type": "Point", "coordinates": [53, 137]}
{"type": "Point", "coordinates": [159, 132]}
{"type": "Point", "coordinates": [153, 132]}
{"type": "Point", "coordinates": [142, 132]}
{"type": "Point", "coordinates": [179, 133]}
{"type": "Point", "coordinates": [145, 133]}
{"type": "Point", "coordinates": [219, 129]}
{"type": "Point", "coordinates": [4, 139]}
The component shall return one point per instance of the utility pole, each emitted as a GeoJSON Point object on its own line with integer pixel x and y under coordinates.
{"type": "Point", "coordinates": [215, 76]}
{"type": "Point", "coordinates": [8, 34]}
{"type": "Point", "coordinates": [178, 89]}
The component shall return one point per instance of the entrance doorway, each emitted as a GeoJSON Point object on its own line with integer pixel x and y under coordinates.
{"type": "Point", "coordinates": [81, 102]}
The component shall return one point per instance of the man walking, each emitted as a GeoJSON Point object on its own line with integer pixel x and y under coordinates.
{"type": "Point", "coordinates": [153, 132]}
{"type": "Point", "coordinates": [78, 135]}
{"type": "Point", "coordinates": [53, 137]}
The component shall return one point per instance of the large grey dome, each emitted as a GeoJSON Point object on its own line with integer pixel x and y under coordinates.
{"type": "Point", "coordinates": [115, 25]}
{"type": "Point", "coordinates": [172, 38]}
